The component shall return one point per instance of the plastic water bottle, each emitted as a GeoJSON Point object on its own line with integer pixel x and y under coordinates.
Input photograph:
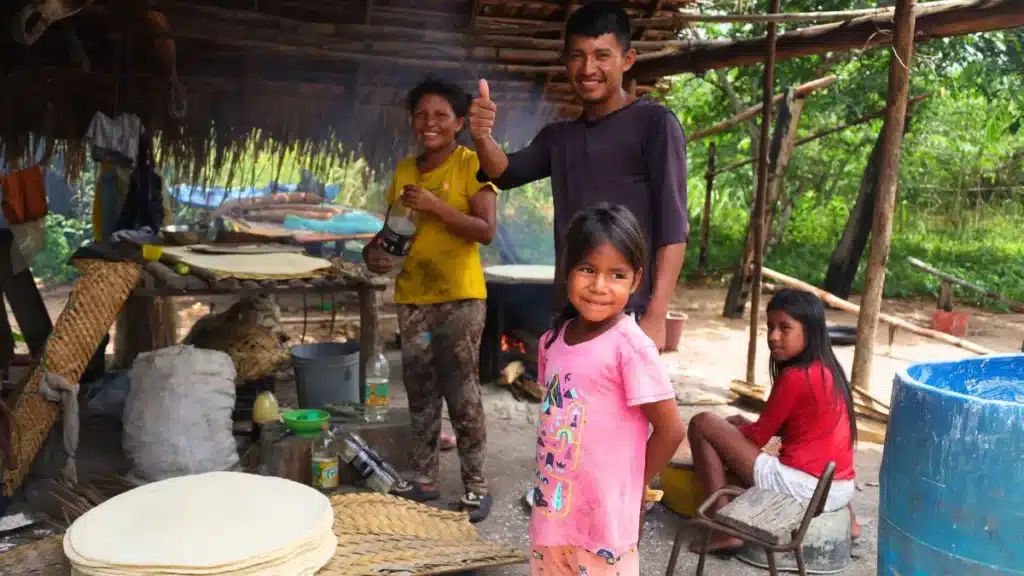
{"type": "Point", "coordinates": [378, 377]}
{"type": "Point", "coordinates": [325, 461]}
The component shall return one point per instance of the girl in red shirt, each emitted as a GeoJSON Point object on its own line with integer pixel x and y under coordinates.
{"type": "Point", "coordinates": [810, 406]}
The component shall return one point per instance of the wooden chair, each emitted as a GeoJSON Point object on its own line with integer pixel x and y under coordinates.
{"type": "Point", "coordinates": [776, 522]}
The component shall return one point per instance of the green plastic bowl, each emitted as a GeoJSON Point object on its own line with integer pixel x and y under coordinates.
{"type": "Point", "coordinates": [306, 422]}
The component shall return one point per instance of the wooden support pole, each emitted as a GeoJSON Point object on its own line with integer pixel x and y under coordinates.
{"type": "Point", "coordinates": [705, 217]}
{"type": "Point", "coordinates": [760, 200]}
{"type": "Point", "coordinates": [881, 229]}
{"type": "Point", "coordinates": [837, 302]}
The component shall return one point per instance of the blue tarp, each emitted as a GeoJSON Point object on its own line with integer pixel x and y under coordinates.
{"type": "Point", "coordinates": [210, 198]}
{"type": "Point", "coordinates": [350, 222]}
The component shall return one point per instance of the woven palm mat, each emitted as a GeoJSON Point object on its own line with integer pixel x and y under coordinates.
{"type": "Point", "coordinates": [87, 317]}
{"type": "Point", "coordinates": [40, 558]}
{"type": "Point", "coordinates": [380, 534]}
{"type": "Point", "coordinates": [377, 535]}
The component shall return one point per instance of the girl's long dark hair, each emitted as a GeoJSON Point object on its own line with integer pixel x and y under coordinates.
{"type": "Point", "coordinates": [594, 227]}
{"type": "Point", "coordinates": [808, 310]}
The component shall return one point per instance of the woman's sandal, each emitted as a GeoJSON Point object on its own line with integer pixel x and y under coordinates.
{"type": "Point", "coordinates": [478, 506]}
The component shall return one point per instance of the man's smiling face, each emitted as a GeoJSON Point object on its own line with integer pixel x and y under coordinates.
{"type": "Point", "coordinates": [595, 66]}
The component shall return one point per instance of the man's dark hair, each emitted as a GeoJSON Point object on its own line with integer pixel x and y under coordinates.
{"type": "Point", "coordinates": [450, 91]}
{"type": "Point", "coordinates": [597, 19]}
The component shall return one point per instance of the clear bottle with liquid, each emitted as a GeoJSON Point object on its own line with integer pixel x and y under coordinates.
{"type": "Point", "coordinates": [378, 379]}
{"type": "Point", "coordinates": [325, 461]}
{"type": "Point", "coordinates": [399, 229]}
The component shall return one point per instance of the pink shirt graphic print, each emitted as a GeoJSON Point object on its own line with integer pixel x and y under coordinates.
{"type": "Point", "coordinates": [592, 439]}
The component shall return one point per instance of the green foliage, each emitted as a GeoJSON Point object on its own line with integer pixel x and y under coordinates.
{"type": "Point", "coordinates": [63, 237]}
{"type": "Point", "coordinates": [961, 184]}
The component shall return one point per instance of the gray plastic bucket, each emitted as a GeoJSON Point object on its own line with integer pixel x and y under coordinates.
{"type": "Point", "coordinates": [326, 373]}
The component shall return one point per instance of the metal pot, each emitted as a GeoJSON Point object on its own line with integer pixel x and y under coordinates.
{"type": "Point", "coordinates": [185, 235]}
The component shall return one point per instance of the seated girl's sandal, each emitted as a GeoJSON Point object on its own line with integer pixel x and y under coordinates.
{"type": "Point", "coordinates": [478, 506]}
{"type": "Point", "coordinates": [416, 492]}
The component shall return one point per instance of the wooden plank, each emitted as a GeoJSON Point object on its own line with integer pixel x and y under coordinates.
{"type": "Point", "coordinates": [881, 227]}
{"type": "Point", "coordinates": [165, 276]}
{"type": "Point", "coordinates": [768, 515]}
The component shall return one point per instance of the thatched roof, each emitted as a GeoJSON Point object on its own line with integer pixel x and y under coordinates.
{"type": "Point", "coordinates": [310, 73]}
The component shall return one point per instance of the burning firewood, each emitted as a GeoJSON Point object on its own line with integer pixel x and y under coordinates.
{"type": "Point", "coordinates": [516, 376]}
{"type": "Point", "coordinates": [512, 372]}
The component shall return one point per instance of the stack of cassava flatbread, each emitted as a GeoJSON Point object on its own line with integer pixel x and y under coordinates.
{"type": "Point", "coordinates": [223, 523]}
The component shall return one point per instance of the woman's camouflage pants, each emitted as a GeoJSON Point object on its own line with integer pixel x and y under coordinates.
{"type": "Point", "coordinates": [441, 362]}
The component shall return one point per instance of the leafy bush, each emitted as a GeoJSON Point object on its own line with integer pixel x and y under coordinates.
{"type": "Point", "coordinates": [63, 237]}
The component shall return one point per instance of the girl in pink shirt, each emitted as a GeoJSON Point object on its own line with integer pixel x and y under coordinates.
{"type": "Point", "coordinates": [605, 389]}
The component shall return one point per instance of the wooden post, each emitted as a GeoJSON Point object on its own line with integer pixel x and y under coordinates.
{"type": "Point", "coordinates": [760, 200]}
{"type": "Point", "coordinates": [881, 235]}
{"type": "Point", "coordinates": [705, 217]}
{"type": "Point", "coordinates": [368, 320]}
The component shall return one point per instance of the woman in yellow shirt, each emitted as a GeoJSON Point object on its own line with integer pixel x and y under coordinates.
{"type": "Point", "coordinates": [440, 291]}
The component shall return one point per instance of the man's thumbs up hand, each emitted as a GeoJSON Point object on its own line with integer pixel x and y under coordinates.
{"type": "Point", "coordinates": [482, 112]}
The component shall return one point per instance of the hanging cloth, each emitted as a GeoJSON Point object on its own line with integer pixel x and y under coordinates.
{"type": "Point", "coordinates": [144, 204]}
{"type": "Point", "coordinates": [115, 140]}
{"type": "Point", "coordinates": [24, 195]}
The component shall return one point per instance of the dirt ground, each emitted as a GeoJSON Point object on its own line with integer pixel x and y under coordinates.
{"type": "Point", "coordinates": [712, 353]}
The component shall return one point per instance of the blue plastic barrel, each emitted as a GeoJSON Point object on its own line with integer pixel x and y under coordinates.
{"type": "Point", "coordinates": [952, 477]}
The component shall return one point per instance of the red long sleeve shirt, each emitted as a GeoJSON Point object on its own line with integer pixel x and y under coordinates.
{"type": "Point", "coordinates": [804, 410]}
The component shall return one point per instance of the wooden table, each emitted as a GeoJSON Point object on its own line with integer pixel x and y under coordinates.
{"type": "Point", "coordinates": [160, 281]}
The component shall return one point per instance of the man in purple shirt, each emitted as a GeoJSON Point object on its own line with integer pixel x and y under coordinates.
{"type": "Point", "coordinates": [622, 150]}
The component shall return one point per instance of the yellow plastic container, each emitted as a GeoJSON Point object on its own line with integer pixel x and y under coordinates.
{"type": "Point", "coordinates": [152, 252]}
{"type": "Point", "coordinates": [683, 493]}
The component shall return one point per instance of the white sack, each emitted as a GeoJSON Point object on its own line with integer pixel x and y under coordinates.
{"type": "Point", "coordinates": [177, 417]}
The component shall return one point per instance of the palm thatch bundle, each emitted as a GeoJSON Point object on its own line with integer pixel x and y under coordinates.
{"type": "Point", "coordinates": [215, 83]}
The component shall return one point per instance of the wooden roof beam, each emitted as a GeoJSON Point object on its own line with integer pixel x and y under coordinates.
{"type": "Point", "coordinates": [184, 14]}
{"type": "Point", "coordinates": [948, 19]}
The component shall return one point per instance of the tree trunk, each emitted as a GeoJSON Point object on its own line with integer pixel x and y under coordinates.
{"type": "Point", "coordinates": [845, 260]}
{"type": "Point", "coordinates": [705, 217]}
{"type": "Point", "coordinates": [778, 151]}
